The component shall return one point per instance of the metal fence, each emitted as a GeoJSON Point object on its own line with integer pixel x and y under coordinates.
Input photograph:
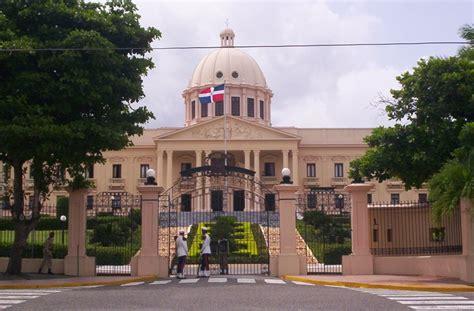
{"type": "Point", "coordinates": [408, 228]}
{"type": "Point", "coordinates": [50, 221]}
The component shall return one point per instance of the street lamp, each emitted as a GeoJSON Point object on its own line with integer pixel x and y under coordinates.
{"type": "Point", "coordinates": [63, 219]}
{"type": "Point", "coordinates": [285, 172]}
{"type": "Point", "coordinates": [150, 177]}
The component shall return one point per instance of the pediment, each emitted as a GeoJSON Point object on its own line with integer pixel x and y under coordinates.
{"type": "Point", "coordinates": [236, 130]}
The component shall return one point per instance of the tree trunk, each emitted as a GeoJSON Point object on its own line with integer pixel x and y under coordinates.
{"type": "Point", "coordinates": [21, 229]}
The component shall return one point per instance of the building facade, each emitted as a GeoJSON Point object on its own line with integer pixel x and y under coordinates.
{"type": "Point", "coordinates": [317, 157]}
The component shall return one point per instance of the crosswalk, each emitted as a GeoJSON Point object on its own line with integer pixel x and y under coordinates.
{"type": "Point", "coordinates": [424, 300]}
{"type": "Point", "coordinates": [218, 280]}
{"type": "Point", "coordinates": [11, 297]}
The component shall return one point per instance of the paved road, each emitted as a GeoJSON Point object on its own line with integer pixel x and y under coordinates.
{"type": "Point", "coordinates": [231, 293]}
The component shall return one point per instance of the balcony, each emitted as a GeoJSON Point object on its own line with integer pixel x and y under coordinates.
{"type": "Point", "coordinates": [394, 184]}
{"type": "Point", "coordinates": [116, 183]}
{"type": "Point", "coordinates": [141, 181]}
{"type": "Point", "coordinates": [311, 181]}
{"type": "Point", "coordinates": [29, 183]}
{"type": "Point", "coordinates": [269, 180]}
{"type": "Point", "coordinates": [339, 181]}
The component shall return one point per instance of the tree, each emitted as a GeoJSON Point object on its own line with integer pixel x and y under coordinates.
{"type": "Point", "coordinates": [433, 104]}
{"type": "Point", "coordinates": [60, 109]}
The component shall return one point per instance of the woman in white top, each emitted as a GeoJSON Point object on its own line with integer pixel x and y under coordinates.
{"type": "Point", "coordinates": [181, 253]}
{"type": "Point", "coordinates": [205, 254]}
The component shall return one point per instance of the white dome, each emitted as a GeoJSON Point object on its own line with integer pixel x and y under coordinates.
{"type": "Point", "coordinates": [228, 65]}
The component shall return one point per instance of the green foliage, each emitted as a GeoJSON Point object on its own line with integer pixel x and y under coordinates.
{"type": "Point", "coordinates": [45, 223]}
{"type": "Point", "coordinates": [332, 253]}
{"type": "Point", "coordinates": [115, 233]}
{"type": "Point", "coordinates": [62, 207]}
{"type": "Point", "coordinates": [33, 250]}
{"type": "Point", "coordinates": [111, 255]}
{"type": "Point", "coordinates": [431, 107]}
{"type": "Point", "coordinates": [328, 228]}
{"type": "Point", "coordinates": [224, 228]}
{"type": "Point", "coordinates": [455, 180]}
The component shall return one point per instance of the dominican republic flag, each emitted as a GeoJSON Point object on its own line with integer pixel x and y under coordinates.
{"type": "Point", "coordinates": [212, 94]}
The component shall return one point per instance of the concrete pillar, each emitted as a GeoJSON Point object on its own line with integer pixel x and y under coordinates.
{"type": "Point", "coordinates": [159, 167]}
{"type": "Point", "coordinates": [289, 262]}
{"type": "Point", "coordinates": [467, 229]}
{"type": "Point", "coordinates": [360, 261]}
{"type": "Point", "coordinates": [295, 168]}
{"type": "Point", "coordinates": [256, 163]}
{"type": "Point", "coordinates": [198, 193]}
{"type": "Point", "coordinates": [169, 168]}
{"type": "Point", "coordinates": [77, 262]}
{"type": "Point", "coordinates": [147, 262]}
{"type": "Point", "coordinates": [247, 159]}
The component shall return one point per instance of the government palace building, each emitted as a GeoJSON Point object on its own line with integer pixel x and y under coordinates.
{"type": "Point", "coordinates": [317, 157]}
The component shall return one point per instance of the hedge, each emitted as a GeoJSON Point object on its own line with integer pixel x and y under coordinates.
{"type": "Point", "coordinates": [45, 223]}
{"type": "Point", "coordinates": [111, 255]}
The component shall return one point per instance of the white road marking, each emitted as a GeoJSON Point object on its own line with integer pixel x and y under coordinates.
{"type": "Point", "coordinates": [437, 302]}
{"type": "Point", "coordinates": [22, 294]}
{"type": "Point", "coordinates": [302, 283]}
{"type": "Point", "coordinates": [5, 307]}
{"type": "Point", "coordinates": [417, 295]}
{"type": "Point", "coordinates": [442, 307]}
{"type": "Point", "coordinates": [133, 284]}
{"type": "Point", "coordinates": [18, 297]}
{"type": "Point", "coordinates": [88, 286]}
{"type": "Point", "coordinates": [246, 281]}
{"type": "Point", "coordinates": [274, 281]}
{"type": "Point", "coordinates": [217, 280]}
{"type": "Point", "coordinates": [336, 286]}
{"type": "Point", "coordinates": [161, 282]}
{"type": "Point", "coordinates": [425, 298]}
{"type": "Point", "coordinates": [10, 301]}
{"type": "Point", "coordinates": [188, 281]}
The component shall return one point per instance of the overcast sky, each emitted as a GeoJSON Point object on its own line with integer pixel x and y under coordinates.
{"type": "Point", "coordinates": [313, 87]}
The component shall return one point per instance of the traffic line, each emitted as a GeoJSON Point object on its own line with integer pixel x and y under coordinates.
{"type": "Point", "coordinates": [217, 280]}
{"type": "Point", "coordinates": [18, 297]}
{"type": "Point", "coordinates": [188, 281]}
{"type": "Point", "coordinates": [133, 284]}
{"type": "Point", "coordinates": [437, 302]}
{"type": "Point", "coordinates": [163, 282]}
{"type": "Point", "coordinates": [275, 281]}
{"type": "Point", "coordinates": [11, 301]}
{"type": "Point", "coordinates": [246, 281]}
{"type": "Point", "coordinates": [5, 306]}
{"type": "Point", "coordinates": [425, 298]}
{"type": "Point", "coordinates": [442, 307]}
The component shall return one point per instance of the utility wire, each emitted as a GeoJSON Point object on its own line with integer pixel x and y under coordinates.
{"type": "Point", "coordinates": [315, 45]}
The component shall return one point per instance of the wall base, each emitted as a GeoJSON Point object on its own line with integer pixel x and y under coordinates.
{"type": "Point", "coordinates": [150, 265]}
{"type": "Point", "coordinates": [31, 265]}
{"type": "Point", "coordinates": [79, 265]}
{"type": "Point", "coordinates": [289, 264]}
{"type": "Point", "coordinates": [358, 265]}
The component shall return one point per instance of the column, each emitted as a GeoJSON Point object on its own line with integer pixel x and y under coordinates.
{"type": "Point", "coordinates": [285, 158]}
{"type": "Point", "coordinates": [147, 262]}
{"type": "Point", "coordinates": [198, 199]}
{"type": "Point", "coordinates": [360, 261]}
{"type": "Point", "coordinates": [256, 163]}
{"type": "Point", "coordinates": [247, 185]}
{"type": "Point", "coordinates": [77, 262]}
{"type": "Point", "coordinates": [295, 167]}
{"type": "Point", "coordinates": [247, 159]}
{"type": "Point", "coordinates": [288, 261]}
{"type": "Point", "coordinates": [169, 168]}
{"type": "Point", "coordinates": [159, 168]}
{"type": "Point", "coordinates": [467, 229]}
{"type": "Point", "coordinates": [206, 191]}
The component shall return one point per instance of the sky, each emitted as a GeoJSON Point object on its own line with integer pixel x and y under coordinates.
{"type": "Point", "coordinates": [313, 87]}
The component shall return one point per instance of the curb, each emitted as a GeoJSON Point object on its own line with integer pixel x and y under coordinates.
{"type": "Point", "coordinates": [465, 288]}
{"type": "Point", "coordinates": [78, 284]}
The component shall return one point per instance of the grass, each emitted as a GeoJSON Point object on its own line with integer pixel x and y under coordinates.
{"type": "Point", "coordinates": [37, 236]}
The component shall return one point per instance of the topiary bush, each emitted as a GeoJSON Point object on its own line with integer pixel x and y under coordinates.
{"type": "Point", "coordinates": [114, 233]}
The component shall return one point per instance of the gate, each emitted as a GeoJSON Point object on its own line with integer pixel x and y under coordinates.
{"type": "Point", "coordinates": [324, 227]}
{"type": "Point", "coordinates": [236, 209]}
{"type": "Point", "coordinates": [113, 231]}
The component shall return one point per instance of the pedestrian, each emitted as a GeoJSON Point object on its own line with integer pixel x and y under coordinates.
{"type": "Point", "coordinates": [47, 253]}
{"type": "Point", "coordinates": [205, 253]}
{"type": "Point", "coordinates": [181, 253]}
{"type": "Point", "coordinates": [223, 252]}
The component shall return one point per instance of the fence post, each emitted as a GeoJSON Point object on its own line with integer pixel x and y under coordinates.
{"type": "Point", "coordinates": [289, 262]}
{"type": "Point", "coordinates": [361, 260]}
{"type": "Point", "coordinates": [77, 262]}
{"type": "Point", "coordinates": [147, 262]}
{"type": "Point", "coordinates": [467, 228]}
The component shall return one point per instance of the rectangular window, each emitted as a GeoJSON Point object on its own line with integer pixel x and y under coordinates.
{"type": "Point", "coordinates": [217, 200]}
{"type": "Point", "coordinates": [186, 202]}
{"type": "Point", "coordinates": [422, 198]}
{"type": "Point", "coordinates": [312, 200]}
{"type": "Point", "coordinates": [204, 110]}
{"type": "Point", "coordinates": [270, 202]}
{"type": "Point", "coordinates": [375, 235]}
{"type": "Point", "coordinates": [262, 110]}
{"type": "Point", "coordinates": [311, 170]}
{"type": "Point", "coordinates": [239, 200]}
{"type": "Point", "coordinates": [338, 170]}
{"type": "Point", "coordinates": [219, 108]}
{"type": "Point", "coordinates": [395, 198]}
{"type": "Point", "coordinates": [193, 109]}
{"type": "Point", "coordinates": [369, 198]}
{"type": "Point", "coordinates": [90, 171]}
{"type": "Point", "coordinates": [116, 202]}
{"type": "Point", "coordinates": [250, 107]}
{"type": "Point", "coordinates": [185, 166]}
{"type": "Point", "coordinates": [389, 235]}
{"type": "Point", "coordinates": [235, 106]}
{"type": "Point", "coordinates": [269, 169]}
{"type": "Point", "coordinates": [90, 202]}
{"type": "Point", "coordinates": [117, 171]}
{"type": "Point", "coordinates": [143, 169]}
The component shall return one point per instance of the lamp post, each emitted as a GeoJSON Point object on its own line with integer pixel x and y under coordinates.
{"type": "Point", "coordinates": [63, 219]}
{"type": "Point", "coordinates": [285, 172]}
{"type": "Point", "coordinates": [150, 177]}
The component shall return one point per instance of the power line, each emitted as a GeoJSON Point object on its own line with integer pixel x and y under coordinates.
{"type": "Point", "coordinates": [311, 45]}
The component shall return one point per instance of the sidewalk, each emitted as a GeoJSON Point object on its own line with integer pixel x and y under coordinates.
{"type": "Point", "coordinates": [28, 281]}
{"type": "Point", "coordinates": [398, 282]}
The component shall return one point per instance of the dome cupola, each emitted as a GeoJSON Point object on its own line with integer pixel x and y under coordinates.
{"type": "Point", "coordinates": [246, 94]}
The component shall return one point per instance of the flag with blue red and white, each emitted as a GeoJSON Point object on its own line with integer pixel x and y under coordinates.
{"type": "Point", "coordinates": [212, 94]}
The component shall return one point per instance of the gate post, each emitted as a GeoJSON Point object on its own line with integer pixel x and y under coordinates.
{"type": "Point", "coordinates": [147, 262]}
{"type": "Point", "coordinates": [77, 262]}
{"type": "Point", "coordinates": [467, 228]}
{"type": "Point", "coordinates": [361, 261]}
{"type": "Point", "coordinates": [289, 262]}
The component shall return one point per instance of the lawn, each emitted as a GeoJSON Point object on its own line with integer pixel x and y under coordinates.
{"type": "Point", "coordinates": [36, 237]}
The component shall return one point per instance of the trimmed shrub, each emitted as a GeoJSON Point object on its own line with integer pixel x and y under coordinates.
{"type": "Point", "coordinates": [333, 255]}
{"type": "Point", "coordinates": [106, 255]}
{"type": "Point", "coordinates": [113, 233]}
{"type": "Point", "coordinates": [45, 223]}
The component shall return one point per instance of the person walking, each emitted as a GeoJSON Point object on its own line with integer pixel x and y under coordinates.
{"type": "Point", "coordinates": [47, 253]}
{"type": "Point", "coordinates": [181, 253]}
{"type": "Point", "coordinates": [223, 253]}
{"type": "Point", "coordinates": [205, 254]}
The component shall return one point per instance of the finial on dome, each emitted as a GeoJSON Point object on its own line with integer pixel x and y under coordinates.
{"type": "Point", "coordinates": [227, 37]}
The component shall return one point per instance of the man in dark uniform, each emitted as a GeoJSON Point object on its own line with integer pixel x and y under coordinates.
{"type": "Point", "coordinates": [47, 253]}
{"type": "Point", "coordinates": [223, 252]}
